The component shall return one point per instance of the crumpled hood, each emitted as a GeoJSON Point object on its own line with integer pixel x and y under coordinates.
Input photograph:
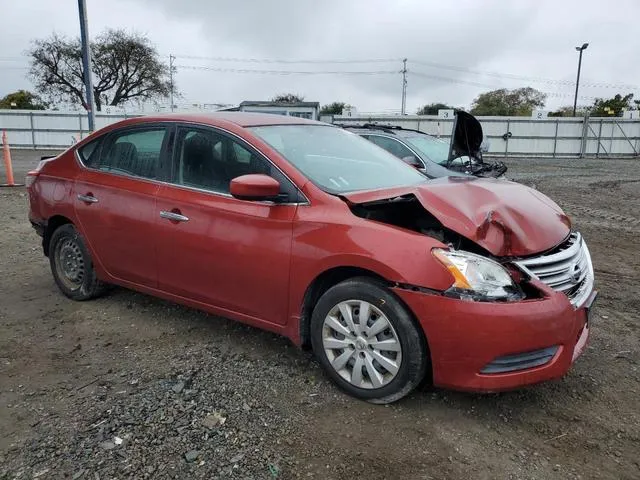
{"type": "Point", "coordinates": [505, 218]}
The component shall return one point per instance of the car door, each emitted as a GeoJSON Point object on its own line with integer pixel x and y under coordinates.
{"type": "Point", "coordinates": [115, 197]}
{"type": "Point", "coordinates": [215, 249]}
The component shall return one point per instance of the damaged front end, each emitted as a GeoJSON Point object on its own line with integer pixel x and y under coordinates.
{"type": "Point", "coordinates": [489, 230]}
{"type": "Point", "coordinates": [481, 169]}
{"type": "Point", "coordinates": [477, 276]}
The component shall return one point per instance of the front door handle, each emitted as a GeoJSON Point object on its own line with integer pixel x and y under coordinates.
{"type": "Point", "coordinates": [88, 198]}
{"type": "Point", "coordinates": [173, 216]}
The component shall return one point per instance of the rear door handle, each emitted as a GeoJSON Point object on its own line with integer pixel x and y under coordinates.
{"type": "Point", "coordinates": [173, 216]}
{"type": "Point", "coordinates": [88, 198]}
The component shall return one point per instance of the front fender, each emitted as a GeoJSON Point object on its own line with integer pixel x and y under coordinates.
{"type": "Point", "coordinates": [395, 254]}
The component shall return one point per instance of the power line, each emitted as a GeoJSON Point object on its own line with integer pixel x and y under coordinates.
{"type": "Point", "coordinates": [358, 72]}
{"type": "Point", "coordinates": [288, 72]}
{"type": "Point", "coordinates": [568, 83]}
{"type": "Point", "coordinates": [485, 85]}
{"type": "Point", "coordinates": [550, 81]}
{"type": "Point", "coordinates": [287, 61]}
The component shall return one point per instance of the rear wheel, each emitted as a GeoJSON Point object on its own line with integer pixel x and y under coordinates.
{"type": "Point", "coordinates": [71, 265]}
{"type": "Point", "coordinates": [368, 342]}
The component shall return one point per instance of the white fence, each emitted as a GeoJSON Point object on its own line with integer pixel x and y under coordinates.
{"type": "Point", "coordinates": [524, 136]}
{"type": "Point", "coordinates": [508, 136]}
{"type": "Point", "coordinates": [45, 129]}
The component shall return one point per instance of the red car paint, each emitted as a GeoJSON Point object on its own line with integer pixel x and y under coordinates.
{"type": "Point", "coordinates": [255, 261]}
{"type": "Point", "coordinates": [507, 219]}
{"type": "Point", "coordinates": [471, 334]}
{"type": "Point", "coordinates": [254, 185]}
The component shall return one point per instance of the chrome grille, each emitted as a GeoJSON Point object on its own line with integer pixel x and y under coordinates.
{"type": "Point", "coordinates": [566, 269]}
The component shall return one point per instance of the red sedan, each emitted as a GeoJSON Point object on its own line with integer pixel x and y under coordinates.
{"type": "Point", "coordinates": [311, 231]}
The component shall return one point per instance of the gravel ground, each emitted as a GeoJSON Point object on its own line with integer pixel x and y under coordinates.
{"type": "Point", "coordinates": [129, 386]}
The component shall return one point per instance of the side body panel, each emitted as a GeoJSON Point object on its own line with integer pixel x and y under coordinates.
{"type": "Point", "coordinates": [230, 254]}
{"type": "Point", "coordinates": [119, 226]}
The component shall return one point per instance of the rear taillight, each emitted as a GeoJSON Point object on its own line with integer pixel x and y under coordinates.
{"type": "Point", "coordinates": [31, 178]}
{"type": "Point", "coordinates": [32, 175]}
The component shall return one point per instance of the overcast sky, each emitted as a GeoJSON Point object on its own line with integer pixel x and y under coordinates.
{"type": "Point", "coordinates": [489, 44]}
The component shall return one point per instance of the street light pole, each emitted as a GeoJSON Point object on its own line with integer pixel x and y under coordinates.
{"type": "Point", "coordinates": [86, 64]}
{"type": "Point", "coordinates": [575, 100]}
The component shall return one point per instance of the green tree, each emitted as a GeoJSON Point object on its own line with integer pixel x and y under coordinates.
{"type": "Point", "coordinates": [567, 111]}
{"type": "Point", "coordinates": [334, 108]}
{"type": "Point", "coordinates": [288, 98]}
{"type": "Point", "coordinates": [432, 108]}
{"type": "Point", "coordinates": [504, 102]}
{"type": "Point", "coordinates": [125, 67]}
{"type": "Point", "coordinates": [612, 106]}
{"type": "Point", "coordinates": [23, 100]}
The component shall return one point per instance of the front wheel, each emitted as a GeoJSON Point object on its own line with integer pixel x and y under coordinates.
{"type": "Point", "coordinates": [367, 341]}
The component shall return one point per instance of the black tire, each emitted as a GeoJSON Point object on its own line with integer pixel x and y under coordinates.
{"type": "Point", "coordinates": [415, 357]}
{"type": "Point", "coordinates": [79, 280]}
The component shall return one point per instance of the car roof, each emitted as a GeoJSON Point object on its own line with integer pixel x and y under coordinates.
{"type": "Point", "coordinates": [241, 119]}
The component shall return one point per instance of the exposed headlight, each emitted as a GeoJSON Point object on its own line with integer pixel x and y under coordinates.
{"type": "Point", "coordinates": [477, 277]}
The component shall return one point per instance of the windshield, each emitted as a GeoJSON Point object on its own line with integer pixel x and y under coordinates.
{"type": "Point", "coordinates": [435, 150]}
{"type": "Point", "coordinates": [336, 160]}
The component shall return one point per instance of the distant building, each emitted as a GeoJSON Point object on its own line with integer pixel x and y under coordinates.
{"type": "Point", "coordinates": [308, 110]}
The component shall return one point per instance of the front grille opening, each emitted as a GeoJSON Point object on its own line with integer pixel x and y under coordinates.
{"type": "Point", "coordinates": [520, 361]}
{"type": "Point", "coordinates": [531, 292]}
{"type": "Point", "coordinates": [566, 269]}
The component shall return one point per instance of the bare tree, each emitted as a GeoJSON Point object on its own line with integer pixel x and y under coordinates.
{"type": "Point", "coordinates": [126, 66]}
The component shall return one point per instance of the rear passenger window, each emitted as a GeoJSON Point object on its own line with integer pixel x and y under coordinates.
{"type": "Point", "coordinates": [136, 153]}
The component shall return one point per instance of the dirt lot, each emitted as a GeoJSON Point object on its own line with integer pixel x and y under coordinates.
{"type": "Point", "coordinates": [78, 378]}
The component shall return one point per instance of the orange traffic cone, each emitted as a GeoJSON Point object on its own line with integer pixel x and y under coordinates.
{"type": "Point", "coordinates": [6, 153]}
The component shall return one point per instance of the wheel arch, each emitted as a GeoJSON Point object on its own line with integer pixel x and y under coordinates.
{"type": "Point", "coordinates": [327, 279]}
{"type": "Point", "coordinates": [319, 285]}
{"type": "Point", "coordinates": [53, 223]}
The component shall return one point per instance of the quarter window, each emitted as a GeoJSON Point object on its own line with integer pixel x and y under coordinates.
{"type": "Point", "coordinates": [134, 152]}
{"type": "Point", "coordinates": [90, 153]}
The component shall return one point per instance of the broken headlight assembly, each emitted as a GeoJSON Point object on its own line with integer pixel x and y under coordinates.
{"type": "Point", "coordinates": [476, 277]}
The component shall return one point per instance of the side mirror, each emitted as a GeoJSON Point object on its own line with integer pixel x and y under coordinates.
{"type": "Point", "coordinates": [255, 187]}
{"type": "Point", "coordinates": [413, 161]}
